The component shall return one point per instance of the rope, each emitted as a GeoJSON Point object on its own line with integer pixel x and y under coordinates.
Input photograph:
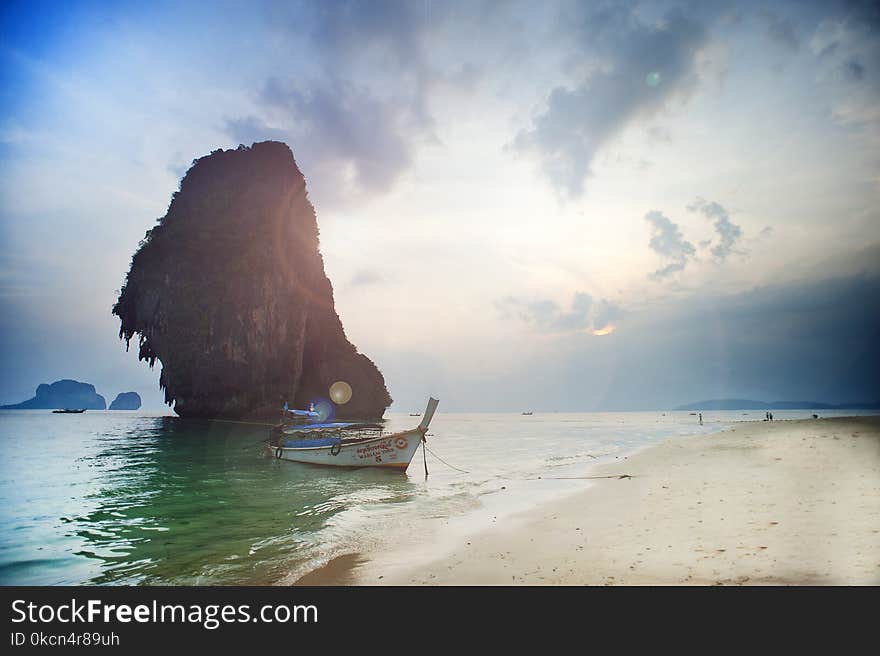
{"type": "Point", "coordinates": [574, 478]}
{"type": "Point", "coordinates": [539, 478]}
{"type": "Point", "coordinates": [424, 444]}
{"type": "Point", "coordinates": [249, 423]}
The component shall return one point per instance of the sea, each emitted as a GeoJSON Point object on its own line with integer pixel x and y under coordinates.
{"type": "Point", "coordinates": [139, 498]}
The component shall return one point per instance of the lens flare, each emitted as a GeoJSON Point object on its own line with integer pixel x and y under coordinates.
{"type": "Point", "coordinates": [324, 409]}
{"type": "Point", "coordinates": [652, 79]}
{"type": "Point", "coordinates": [340, 392]}
{"type": "Point", "coordinates": [605, 330]}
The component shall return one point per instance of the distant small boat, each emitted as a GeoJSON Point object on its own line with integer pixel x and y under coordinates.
{"type": "Point", "coordinates": [415, 414]}
{"type": "Point", "coordinates": [68, 411]}
{"type": "Point", "coordinates": [348, 444]}
{"type": "Point", "coordinates": [528, 414]}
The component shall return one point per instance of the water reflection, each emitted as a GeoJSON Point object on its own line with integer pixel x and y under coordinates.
{"type": "Point", "coordinates": [193, 502]}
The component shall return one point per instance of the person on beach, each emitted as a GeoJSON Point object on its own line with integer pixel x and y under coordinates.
{"type": "Point", "coordinates": [771, 416]}
{"type": "Point", "coordinates": [701, 419]}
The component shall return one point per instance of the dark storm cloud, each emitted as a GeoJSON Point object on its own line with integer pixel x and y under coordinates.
{"type": "Point", "coordinates": [816, 338]}
{"type": "Point", "coordinates": [640, 65]}
{"type": "Point", "coordinates": [728, 232]}
{"type": "Point", "coordinates": [667, 240]}
{"type": "Point", "coordinates": [808, 341]}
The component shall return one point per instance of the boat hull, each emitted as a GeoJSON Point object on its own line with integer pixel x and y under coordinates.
{"type": "Point", "coordinates": [394, 451]}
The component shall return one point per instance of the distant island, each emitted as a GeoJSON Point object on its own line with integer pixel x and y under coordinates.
{"type": "Point", "coordinates": [126, 401]}
{"type": "Point", "coordinates": [748, 404]}
{"type": "Point", "coordinates": [62, 394]}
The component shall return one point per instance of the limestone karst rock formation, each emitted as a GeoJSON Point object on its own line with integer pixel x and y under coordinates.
{"type": "Point", "coordinates": [62, 394]}
{"type": "Point", "coordinates": [126, 401]}
{"type": "Point", "coordinates": [229, 293]}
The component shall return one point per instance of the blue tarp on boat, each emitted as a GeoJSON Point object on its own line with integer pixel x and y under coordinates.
{"type": "Point", "coordinates": [318, 441]}
{"type": "Point", "coordinates": [312, 427]}
{"type": "Point", "coordinates": [301, 413]}
{"type": "Point", "coordinates": [317, 428]}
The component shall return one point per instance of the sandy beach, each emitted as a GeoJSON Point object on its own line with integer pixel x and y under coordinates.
{"type": "Point", "coordinates": [783, 502]}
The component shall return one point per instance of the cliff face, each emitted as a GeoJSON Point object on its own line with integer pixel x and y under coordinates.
{"type": "Point", "coordinates": [62, 394]}
{"type": "Point", "coordinates": [229, 293]}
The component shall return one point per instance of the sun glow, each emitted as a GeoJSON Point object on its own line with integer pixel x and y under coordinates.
{"type": "Point", "coordinates": [607, 330]}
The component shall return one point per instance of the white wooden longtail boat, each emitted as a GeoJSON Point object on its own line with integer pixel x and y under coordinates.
{"type": "Point", "coordinates": [394, 451]}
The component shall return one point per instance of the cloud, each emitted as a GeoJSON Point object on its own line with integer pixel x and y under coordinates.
{"type": "Point", "coordinates": [605, 312]}
{"type": "Point", "coordinates": [250, 129]}
{"type": "Point", "coordinates": [355, 108]}
{"type": "Point", "coordinates": [342, 127]}
{"type": "Point", "coordinates": [637, 67]}
{"type": "Point", "coordinates": [391, 28]}
{"type": "Point", "coordinates": [365, 277]}
{"type": "Point", "coordinates": [812, 340]}
{"type": "Point", "coordinates": [729, 233]}
{"type": "Point", "coordinates": [848, 54]}
{"type": "Point", "coordinates": [385, 41]}
{"type": "Point", "coordinates": [667, 240]}
{"type": "Point", "coordinates": [783, 31]}
{"type": "Point", "coordinates": [854, 69]}
{"type": "Point", "coordinates": [659, 134]}
{"type": "Point", "coordinates": [547, 316]}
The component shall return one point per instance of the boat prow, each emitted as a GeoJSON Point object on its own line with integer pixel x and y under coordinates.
{"type": "Point", "coordinates": [394, 451]}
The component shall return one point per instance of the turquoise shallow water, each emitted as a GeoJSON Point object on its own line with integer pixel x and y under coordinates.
{"type": "Point", "coordinates": [132, 498]}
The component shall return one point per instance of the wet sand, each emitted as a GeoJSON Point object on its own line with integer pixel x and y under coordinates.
{"type": "Point", "coordinates": [783, 502]}
{"type": "Point", "coordinates": [339, 571]}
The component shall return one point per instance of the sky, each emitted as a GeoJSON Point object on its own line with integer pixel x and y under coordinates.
{"type": "Point", "coordinates": [560, 206]}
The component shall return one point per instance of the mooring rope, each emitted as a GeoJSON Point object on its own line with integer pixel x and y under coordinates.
{"type": "Point", "coordinates": [574, 478]}
{"type": "Point", "coordinates": [425, 458]}
{"type": "Point", "coordinates": [424, 444]}
{"type": "Point", "coordinates": [249, 423]}
{"type": "Point", "coordinates": [539, 478]}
